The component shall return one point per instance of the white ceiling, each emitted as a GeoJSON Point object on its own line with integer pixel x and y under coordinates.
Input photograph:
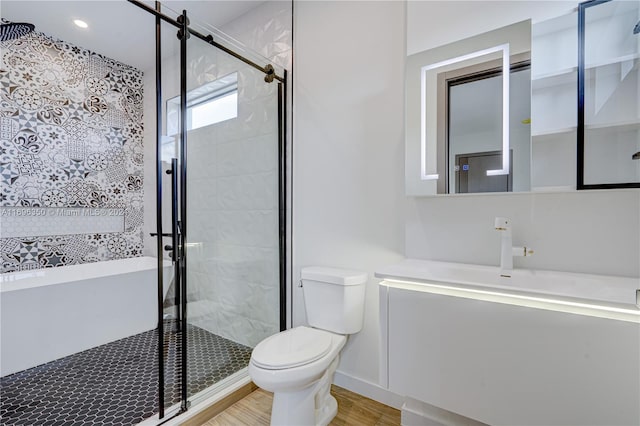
{"type": "Point", "coordinates": [117, 28]}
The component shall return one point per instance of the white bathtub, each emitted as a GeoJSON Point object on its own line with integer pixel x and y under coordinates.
{"type": "Point", "coordinates": [47, 314]}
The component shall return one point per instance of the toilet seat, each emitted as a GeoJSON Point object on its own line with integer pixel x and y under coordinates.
{"type": "Point", "coordinates": [292, 348]}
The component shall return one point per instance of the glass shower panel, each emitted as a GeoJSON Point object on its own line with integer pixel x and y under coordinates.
{"type": "Point", "coordinates": [611, 93]}
{"type": "Point", "coordinates": [232, 231]}
{"type": "Point", "coordinates": [170, 90]}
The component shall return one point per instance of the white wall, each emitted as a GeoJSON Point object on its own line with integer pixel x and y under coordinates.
{"type": "Point", "coordinates": [434, 23]}
{"type": "Point", "coordinates": [348, 150]}
{"type": "Point", "coordinates": [589, 231]}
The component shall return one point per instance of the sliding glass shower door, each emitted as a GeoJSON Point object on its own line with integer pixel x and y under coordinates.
{"type": "Point", "coordinates": [232, 203]}
{"type": "Point", "coordinates": [223, 152]}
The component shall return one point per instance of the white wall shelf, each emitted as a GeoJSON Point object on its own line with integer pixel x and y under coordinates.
{"type": "Point", "coordinates": [612, 61]}
{"type": "Point", "coordinates": [554, 78]}
{"type": "Point", "coordinates": [567, 72]}
{"type": "Point", "coordinates": [552, 132]}
{"type": "Point", "coordinates": [621, 126]}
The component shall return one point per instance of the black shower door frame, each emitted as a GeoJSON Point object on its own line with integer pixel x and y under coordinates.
{"type": "Point", "coordinates": [178, 173]}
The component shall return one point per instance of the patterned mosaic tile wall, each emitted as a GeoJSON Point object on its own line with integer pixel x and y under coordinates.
{"type": "Point", "coordinates": [70, 138]}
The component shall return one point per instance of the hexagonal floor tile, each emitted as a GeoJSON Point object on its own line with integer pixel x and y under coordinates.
{"type": "Point", "coordinates": [117, 383]}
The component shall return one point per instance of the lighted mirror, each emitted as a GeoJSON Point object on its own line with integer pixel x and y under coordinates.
{"type": "Point", "coordinates": [429, 74]}
{"type": "Point", "coordinates": [473, 127]}
{"type": "Point", "coordinates": [469, 109]}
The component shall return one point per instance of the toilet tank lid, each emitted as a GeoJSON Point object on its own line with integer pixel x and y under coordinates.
{"type": "Point", "coordinates": [333, 275]}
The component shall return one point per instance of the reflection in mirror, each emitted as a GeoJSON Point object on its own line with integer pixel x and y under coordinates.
{"type": "Point", "coordinates": [554, 63]}
{"type": "Point", "coordinates": [610, 89]}
{"type": "Point", "coordinates": [474, 130]}
{"type": "Point", "coordinates": [565, 150]}
{"type": "Point", "coordinates": [459, 109]}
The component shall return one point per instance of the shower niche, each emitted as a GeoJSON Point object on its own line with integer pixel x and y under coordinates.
{"type": "Point", "coordinates": [584, 104]}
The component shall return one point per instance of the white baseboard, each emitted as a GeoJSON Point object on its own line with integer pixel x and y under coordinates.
{"type": "Point", "coordinates": [414, 413]}
{"type": "Point", "coordinates": [417, 413]}
{"type": "Point", "coordinates": [368, 389]}
{"type": "Point", "coordinates": [412, 417]}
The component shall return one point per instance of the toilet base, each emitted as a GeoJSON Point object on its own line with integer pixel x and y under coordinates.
{"type": "Point", "coordinates": [294, 408]}
{"type": "Point", "coordinates": [312, 406]}
{"type": "Point", "coordinates": [329, 411]}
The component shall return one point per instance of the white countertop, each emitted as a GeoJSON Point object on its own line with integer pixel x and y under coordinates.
{"type": "Point", "coordinates": [600, 289]}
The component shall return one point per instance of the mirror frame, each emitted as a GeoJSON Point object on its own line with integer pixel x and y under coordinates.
{"type": "Point", "coordinates": [506, 66]}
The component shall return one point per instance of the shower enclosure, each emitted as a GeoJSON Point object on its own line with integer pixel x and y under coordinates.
{"type": "Point", "coordinates": [227, 216]}
{"type": "Point", "coordinates": [197, 141]}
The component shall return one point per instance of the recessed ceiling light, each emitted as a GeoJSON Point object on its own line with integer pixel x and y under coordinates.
{"type": "Point", "coordinates": [80, 23]}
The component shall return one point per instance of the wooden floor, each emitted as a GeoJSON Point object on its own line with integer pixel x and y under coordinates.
{"type": "Point", "coordinates": [353, 410]}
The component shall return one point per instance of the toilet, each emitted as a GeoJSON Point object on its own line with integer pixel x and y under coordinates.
{"type": "Point", "coordinates": [298, 364]}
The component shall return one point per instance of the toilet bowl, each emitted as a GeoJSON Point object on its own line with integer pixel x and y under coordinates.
{"type": "Point", "coordinates": [298, 364]}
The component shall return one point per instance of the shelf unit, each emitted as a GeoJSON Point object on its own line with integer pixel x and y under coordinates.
{"type": "Point", "coordinates": [610, 112]}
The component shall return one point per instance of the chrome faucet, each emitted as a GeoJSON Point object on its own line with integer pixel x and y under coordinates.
{"type": "Point", "coordinates": [507, 250]}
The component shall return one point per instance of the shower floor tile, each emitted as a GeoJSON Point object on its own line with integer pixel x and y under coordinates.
{"type": "Point", "coordinates": [116, 383]}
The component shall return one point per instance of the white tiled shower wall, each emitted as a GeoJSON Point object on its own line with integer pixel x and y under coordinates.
{"type": "Point", "coordinates": [232, 257]}
{"type": "Point", "coordinates": [233, 215]}
{"type": "Point", "coordinates": [267, 30]}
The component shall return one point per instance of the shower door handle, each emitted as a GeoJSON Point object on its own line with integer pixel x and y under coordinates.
{"type": "Point", "coordinates": [175, 224]}
{"type": "Point", "coordinates": [176, 240]}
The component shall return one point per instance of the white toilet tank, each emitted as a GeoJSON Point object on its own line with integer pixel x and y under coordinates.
{"type": "Point", "coordinates": [334, 298]}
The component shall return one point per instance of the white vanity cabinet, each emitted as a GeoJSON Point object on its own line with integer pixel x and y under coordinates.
{"type": "Point", "coordinates": [505, 364]}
